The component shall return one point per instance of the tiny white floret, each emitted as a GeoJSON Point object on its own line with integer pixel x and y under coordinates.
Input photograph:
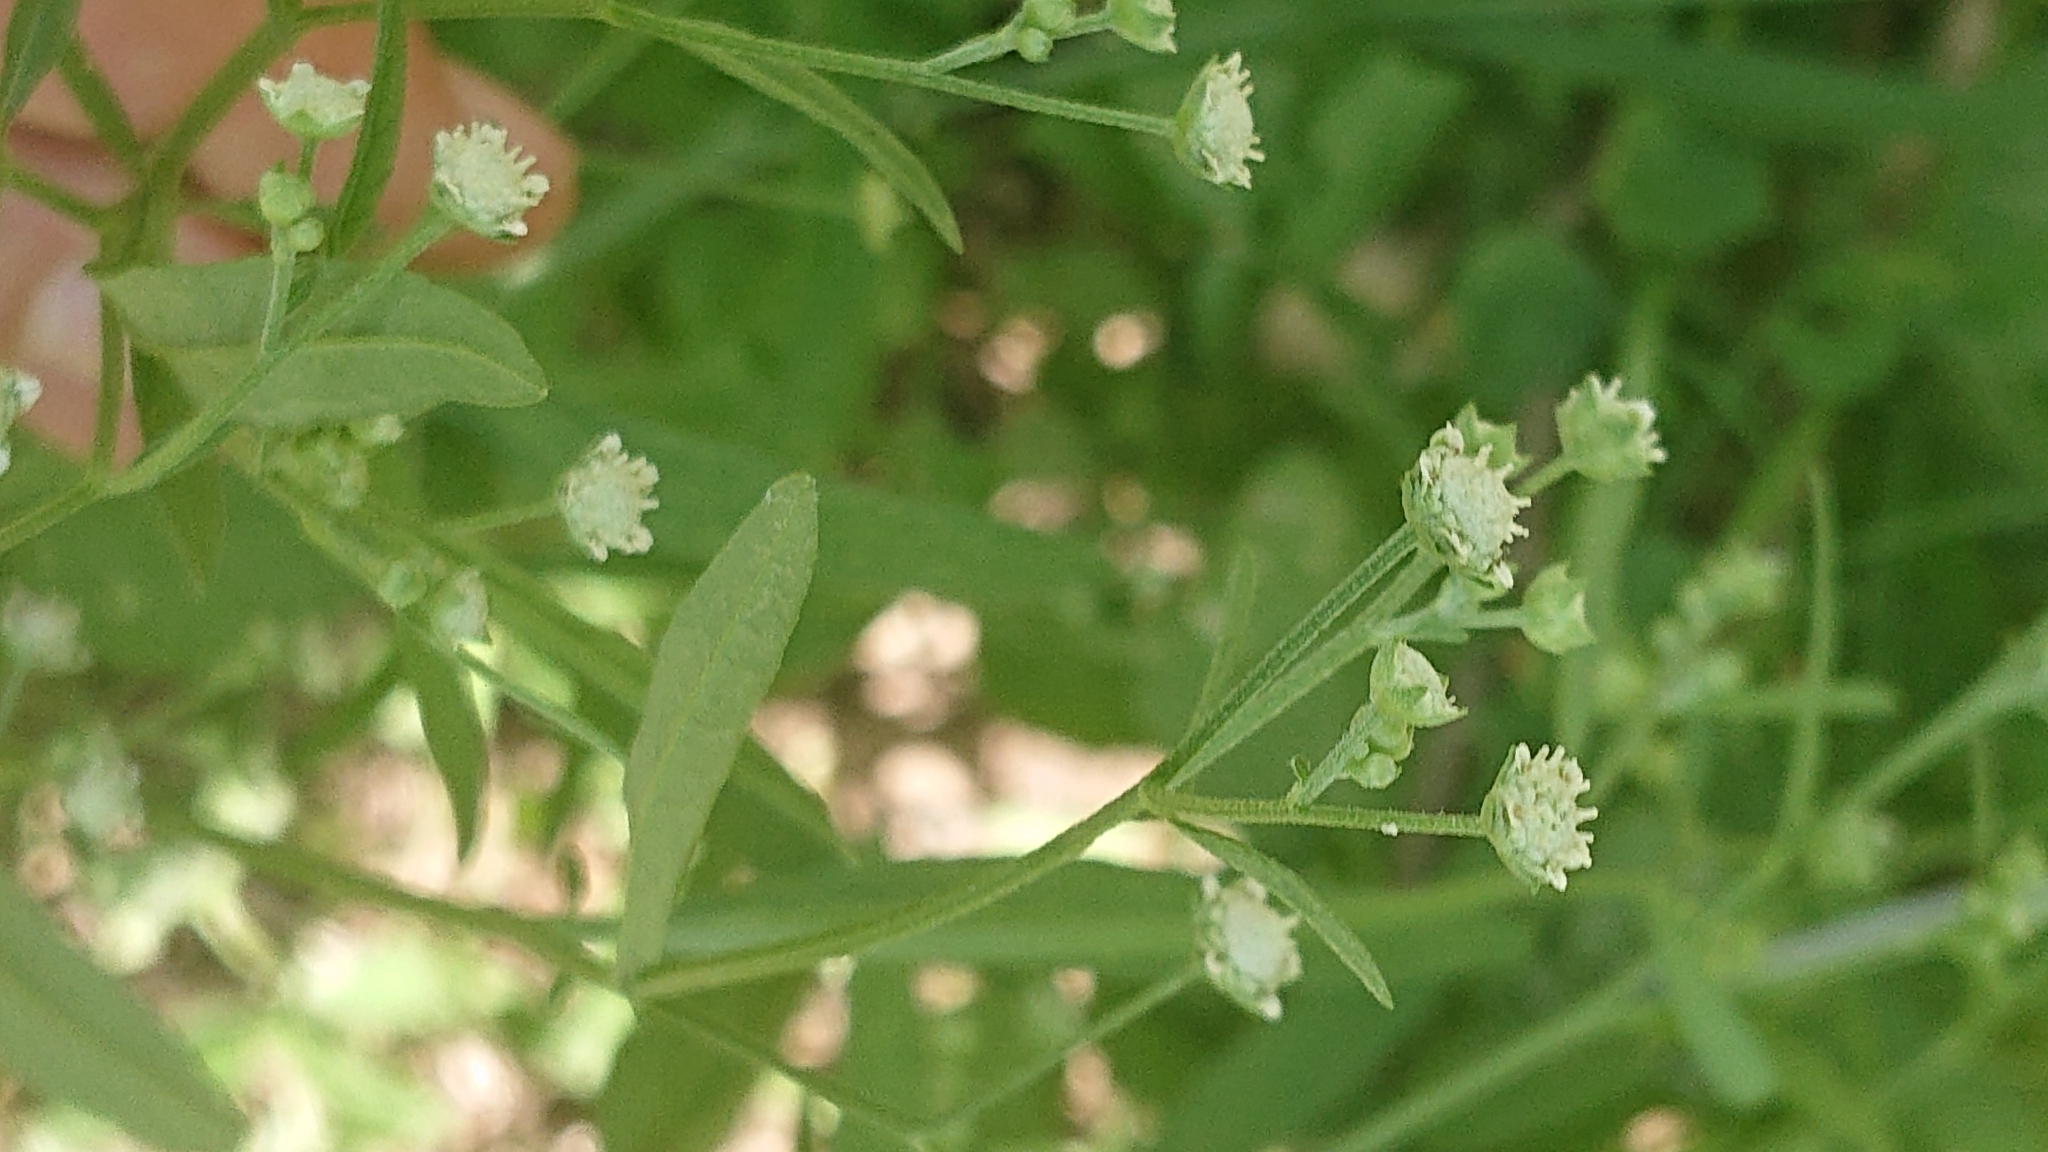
{"type": "Point", "coordinates": [1604, 437]}
{"type": "Point", "coordinates": [1248, 947]}
{"type": "Point", "coordinates": [603, 497]}
{"type": "Point", "coordinates": [483, 182]}
{"type": "Point", "coordinates": [1212, 132]}
{"type": "Point", "coordinates": [42, 632]}
{"type": "Point", "coordinates": [1532, 816]}
{"type": "Point", "coordinates": [19, 392]}
{"type": "Point", "coordinates": [314, 107]}
{"type": "Point", "coordinates": [1457, 501]}
{"type": "Point", "coordinates": [462, 608]}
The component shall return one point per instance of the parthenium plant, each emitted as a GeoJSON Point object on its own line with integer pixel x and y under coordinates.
{"type": "Point", "coordinates": [246, 357]}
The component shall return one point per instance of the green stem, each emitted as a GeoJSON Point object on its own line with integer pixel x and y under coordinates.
{"type": "Point", "coordinates": [1101, 1028]}
{"type": "Point", "coordinates": [1992, 696]}
{"type": "Point", "coordinates": [10, 691]}
{"type": "Point", "coordinates": [709, 34]}
{"type": "Point", "coordinates": [974, 50]}
{"type": "Point", "coordinates": [604, 64]}
{"type": "Point", "coordinates": [556, 716]}
{"type": "Point", "coordinates": [1553, 470]}
{"type": "Point", "coordinates": [184, 444]}
{"type": "Point", "coordinates": [102, 108]}
{"type": "Point", "coordinates": [1616, 1005]}
{"type": "Point", "coordinates": [282, 261]}
{"type": "Point", "coordinates": [1809, 731]}
{"type": "Point", "coordinates": [1386, 821]}
{"type": "Point", "coordinates": [500, 518]}
{"type": "Point", "coordinates": [106, 424]}
{"type": "Point", "coordinates": [59, 200]}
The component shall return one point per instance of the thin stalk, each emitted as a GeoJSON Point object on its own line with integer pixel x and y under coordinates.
{"type": "Point", "coordinates": [10, 691]}
{"type": "Point", "coordinates": [1553, 470]}
{"type": "Point", "coordinates": [686, 31]}
{"type": "Point", "coordinates": [1386, 821]}
{"type": "Point", "coordinates": [57, 199]}
{"type": "Point", "coordinates": [604, 64]}
{"type": "Point", "coordinates": [102, 108]}
{"type": "Point", "coordinates": [106, 424]}
{"type": "Point", "coordinates": [1003, 41]}
{"type": "Point", "coordinates": [500, 518]}
{"type": "Point", "coordinates": [282, 260]}
{"type": "Point", "coordinates": [561, 719]}
{"type": "Point", "coordinates": [1101, 1028]}
{"type": "Point", "coordinates": [1986, 700]}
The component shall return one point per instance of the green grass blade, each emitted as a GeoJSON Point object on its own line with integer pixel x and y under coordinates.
{"type": "Point", "coordinates": [37, 34]}
{"type": "Point", "coordinates": [715, 663]}
{"type": "Point", "coordinates": [72, 1034]}
{"type": "Point", "coordinates": [1295, 892]}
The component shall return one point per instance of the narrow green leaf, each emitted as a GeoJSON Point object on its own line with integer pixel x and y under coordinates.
{"type": "Point", "coordinates": [455, 734]}
{"type": "Point", "coordinates": [1294, 892]}
{"type": "Point", "coordinates": [37, 33]}
{"type": "Point", "coordinates": [715, 663]}
{"type": "Point", "coordinates": [1731, 1056]}
{"type": "Point", "coordinates": [193, 500]}
{"type": "Point", "coordinates": [822, 101]}
{"type": "Point", "coordinates": [377, 139]}
{"type": "Point", "coordinates": [1240, 597]}
{"type": "Point", "coordinates": [410, 348]}
{"type": "Point", "coordinates": [71, 1033]}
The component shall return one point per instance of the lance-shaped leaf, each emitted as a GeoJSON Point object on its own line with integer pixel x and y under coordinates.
{"type": "Point", "coordinates": [36, 35]}
{"type": "Point", "coordinates": [721, 652]}
{"type": "Point", "coordinates": [1294, 892]}
{"type": "Point", "coordinates": [455, 734]}
{"type": "Point", "coordinates": [412, 346]}
{"type": "Point", "coordinates": [73, 1034]}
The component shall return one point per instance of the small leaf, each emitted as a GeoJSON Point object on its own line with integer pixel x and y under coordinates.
{"type": "Point", "coordinates": [376, 151]}
{"type": "Point", "coordinates": [411, 347]}
{"type": "Point", "coordinates": [822, 101]}
{"type": "Point", "coordinates": [716, 661]}
{"type": "Point", "coordinates": [73, 1034]}
{"type": "Point", "coordinates": [37, 34]}
{"type": "Point", "coordinates": [455, 734]}
{"type": "Point", "coordinates": [193, 500]}
{"type": "Point", "coordinates": [1294, 892]}
{"type": "Point", "coordinates": [1730, 1054]}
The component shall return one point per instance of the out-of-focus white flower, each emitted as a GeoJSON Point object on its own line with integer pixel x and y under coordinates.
{"type": "Point", "coordinates": [1604, 437]}
{"type": "Point", "coordinates": [1457, 501]}
{"type": "Point", "coordinates": [314, 107]}
{"type": "Point", "coordinates": [42, 632]}
{"type": "Point", "coordinates": [462, 608]}
{"type": "Point", "coordinates": [603, 497]}
{"type": "Point", "coordinates": [19, 392]}
{"type": "Point", "coordinates": [483, 182]}
{"type": "Point", "coordinates": [1532, 816]}
{"type": "Point", "coordinates": [1248, 946]}
{"type": "Point", "coordinates": [1212, 132]}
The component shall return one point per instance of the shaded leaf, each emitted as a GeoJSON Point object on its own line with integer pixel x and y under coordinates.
{"type": "Point", "coordinates": [1294, 892]}
{"type": "Point", "coordinates": [455, 734]}
{"type": "Point", "coordinates": [411, 347]}
{"type": "Point", "coordinates": [37, 34]}
{"type": "Point", "coordinates": [193, 500]}
{"type": "Point", "coordinates": [715, 663]}
{"type": "Point", "coordinates": [71, 1033]}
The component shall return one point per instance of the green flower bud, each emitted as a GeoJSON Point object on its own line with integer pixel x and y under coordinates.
{"type": "Point", "coordinates": [1605, 438]}
{"type": "Point", "coordinates": [1051, 16]}
{"type": "Point", "coordinates": [1247, 946]}
{"type": "Point", "coordinates": [1532, 816]}
{"type": "Point", "coordinates": [284, 199]}
{"type": "Point", "coordinates": [304, 236]}
{"type": "Point", "coordinates": [1554, 611]}
{"type": "Point", "coordinates": [1852, 848]}
{"type": "Point", "coordinates": [1499, 439]}
{"type": "Point", "coordinates": [1407, 688]}
{"type": "Point", "coordinates": [1212, 132]}
{"type": "Point", "coordinates": [1457, 501]}
{"type": "Point", "coordinates": [1034, 45]}
{"type": "Point", "coordinates": [1145, 23]}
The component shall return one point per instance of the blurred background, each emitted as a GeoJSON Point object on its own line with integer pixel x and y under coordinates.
{"type": "Point", "coordinates": [1815, 233]}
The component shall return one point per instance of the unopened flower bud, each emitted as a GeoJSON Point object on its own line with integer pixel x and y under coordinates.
{"type": "Point", "coordinates": [1852, 848]}
{"type": "Point", "coordinates": [1212, 132]}
{"type": "Point", "coordinates": [1406, 687]}
{"type": "Point", "coordinates": [314, 107]}
{"type": "Point", "coordinates": [1145, 23]}
{"type": "Point", "coordinates": [1605, 438]}
{"type": "Point", "coordinates": [603, 497]}
{"type": "Point", "coordinates": [1034, 45]}
{"type": "Point", "coordinates": [304, 236]}
{"type": "Point", "coordinates": [284, 198]}
{"type": "Point", "coordinates": [1498, 439]}
{"type": "Point", "coordinates": [1458, 504]}
{"type": "Point", "coordinates": [483, 182]}
{"type": "Point", "coordinates": [1532, 816]}
{"type": "Point", "coordinates": [1554, 611]}
{"type": "Point", "coordinates": [1051, 16]}
{"type": "Point", "coordinates": [1247, 946]}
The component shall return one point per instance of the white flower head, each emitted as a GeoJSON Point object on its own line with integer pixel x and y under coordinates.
{"type": "Point", "coordinates": [19, 392]}
{"type": "Point", "coordinates": [314, 107]}
{"type": "Point", "coordinates": [1212, 132]}
{"type": "Point", "coordinates": [1532, 816]}
{"type": "Point", "coordinates": [1604, 437]}
{"type": "Point", "coordinates": [42, 632]}
{"type": "Point", "coordinates": [1145, 23]}
{"type": "Point", "coordinates": [1458, 503]}
{"type": "Point", "coordinates": [462, 608]}
{"type": "Point", "coordinates": [1248, 946]}
{"type": "Point", "coordinates": [603, 497]}
{"type": "Point", "coordinates": [483, 182]}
